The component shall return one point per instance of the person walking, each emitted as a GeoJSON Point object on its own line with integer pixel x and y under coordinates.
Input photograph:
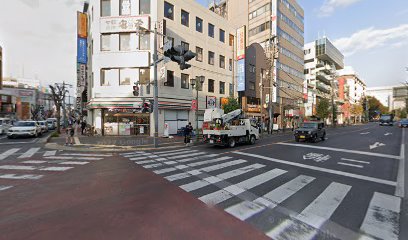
{"type": "Point", "coordinates": [83, 126]}
{"type": "Point", "coordinates": [187, 133]}
{"type": "Point", "coordinates": [70, 131]}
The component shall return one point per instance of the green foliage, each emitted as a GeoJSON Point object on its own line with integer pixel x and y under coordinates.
{"type": "Point", "coordinates": [55, 134]}
{"type": "Point", "coordinates": [323, 108]}
{"type": "Point", "coordinates": [403, 113]}
{"type": "Point", "coordinates": [375, 107]}
{"type": "Point", "coordinates": [232, 105]}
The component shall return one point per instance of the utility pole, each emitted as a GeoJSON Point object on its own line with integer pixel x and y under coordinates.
{"type": "Point", "coordinates": [261, 103]}
{"type": "Point", "coordinates": [155, 91]}
{"type": "Point", "coordinates": [271, 49]}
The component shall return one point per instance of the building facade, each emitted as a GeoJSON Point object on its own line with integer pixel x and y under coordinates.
{"type": "Point", "coordinates": [1, 67]}
{"type": "Point", "coordinates": [121, 55]}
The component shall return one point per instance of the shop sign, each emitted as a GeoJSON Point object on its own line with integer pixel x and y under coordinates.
{"type": "Point", "coordinates": [241, 75]}
{"type": "Point", "coordinates": [211, 102]}
{"type": "Point", "coordinates": [25, 93]}
{"type": "Point", "coordinates": [241, 45]}
{"type": "Point", "coordinates": [82, 54]}
{"type": "Point", "coordinates": [124, 24]}
{"type": "Point", "coordinates": [253, 108]}
{"type": "Point", "coordinates": [82, 24]}
{"type": "Point", "coordinates": [194, 105]}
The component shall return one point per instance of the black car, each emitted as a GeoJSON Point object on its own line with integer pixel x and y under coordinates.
{"type": "Point", "coordinates": [387, 119]}
{"type": "Point", "coordinates": [310, 131]}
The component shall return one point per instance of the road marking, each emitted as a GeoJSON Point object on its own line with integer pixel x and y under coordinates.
{"type": "Point", "coordinates": [69, 158]}
{"type": "Point", "coordinates": [350, 165]}
{"type": "Point", "coordinates": [87, 155]}
{"type": "Point", "coordinates": [208, 161]}
{"type": "Point", "coordinates": [143, 162]}
{"type": "Point", "coordinates": [382, 218]}
{"type": "Point", "coordinates": [199, 158]}
{"type": "Point", "coordinates": [325, 170]}
{"type": "Point", "coordinates": [29, 153]}
{"type": "Point", "coordinates": [58, 169]}
{"type": "Point", "coordinates": [35, 162]}
{"type": "Point", "coordinates": [17, 177]}
{"type": "Point", "coordinates": [400, 189]}
{"type": "Point", "coordinates": [310, 220]}
{"type": "Point", "coordinates": [49, 153]}
{"type": "Point", "coordinates": [187, 155]}
{"type": "Point", "coordinates": [8, 153]}
{"type": "Point", "coordinates": [220, 177]}
{"type": "Point", "coordinates": [221, 165]}
{"type": "Point", "coordinates": [73, 163]}
{"type": "Point", "coordinates": [138, 158]}
{"type": "Point", "coordinates": [233, 190]}
{"type": "Point", "coordinates": [153, 165]}
{"type": "Point", "coordinates": [12, 143]}
{"type": "Point", "coordinates": [4, 187]}
{"type": "Point", "coordinates": [376, 145]}
{"type": "Point", "coordinates": [387, 134]}
{"type": "Point", "coordinates": [342, 150]}
{"type": "Point", "coordinates": [16, 167]}
{"type": "Point", "coordinates": [352, 160]}
{"type": "Point", "coordinates": [365, 133]}
{"type": "Point", "coordinates": [176, 153]}
{"type": "Point", "coordinates": [170, 151]}
{"type": "Point", "coordinates": [246, 209]}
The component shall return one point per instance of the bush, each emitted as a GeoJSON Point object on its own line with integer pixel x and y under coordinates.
{"type": "Point", "coordinates": [54, 134]}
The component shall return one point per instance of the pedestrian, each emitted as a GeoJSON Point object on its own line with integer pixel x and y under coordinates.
{"type": "Point", "coordinates": [70, 131]}
{"type": "Point", "coordinates": [187, 132]}
{"type": "Point", "coordinates": [83, 126]}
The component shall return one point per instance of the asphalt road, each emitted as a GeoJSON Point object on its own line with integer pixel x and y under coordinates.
{"type": "Point", "coordinates": [350, 186]}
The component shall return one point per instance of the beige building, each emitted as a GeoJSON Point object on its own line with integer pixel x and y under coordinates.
{"type": "Point", "coordinates": [1, 67]}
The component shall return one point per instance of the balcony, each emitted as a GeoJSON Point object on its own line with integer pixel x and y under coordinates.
{"type": "Point", "coordinates": [323, 78]}
{"type": "Point", "coordinates": [323, 88]}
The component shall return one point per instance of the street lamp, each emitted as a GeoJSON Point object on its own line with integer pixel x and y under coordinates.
{"type": "Point", "coordinates": [197, 84]}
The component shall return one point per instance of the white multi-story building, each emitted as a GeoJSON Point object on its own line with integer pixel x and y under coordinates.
{"type": "Point", "coordinates": [119, 56]}
{"type": "Point", "coordinates": [355, 85]}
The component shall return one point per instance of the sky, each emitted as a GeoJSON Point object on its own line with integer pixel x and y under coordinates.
{"type": "Point", "coordinates": [39, 37]}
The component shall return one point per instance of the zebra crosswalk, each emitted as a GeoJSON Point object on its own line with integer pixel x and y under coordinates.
{"type": "Point", "coordinates": [251, 191]}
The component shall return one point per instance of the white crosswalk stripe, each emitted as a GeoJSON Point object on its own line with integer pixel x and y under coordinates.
{"type": "Point", "coordinates": [382, 218]}
{"type": "Point", "coordinates": [179, 167]}
{"type": "Point", "coordinates": [153, 165]}
{"type": "Point", "coordinates": [170, 151]}
{"type": "Point", "coordinates": [58, 169]}
{"type": "Point", "coordinates": [30, 168]}
{"type": "Point", "coordinates": [4, 187]}
{"type": "Point", "coordinates": [50, 153]}
{"type": "Point", "coordinates": [175, 153]}
{"type": "Point", "coordinates": [8, 153]}
{"type": "Point", "coordinates": [187, 155]}
{"type": "Point", "coordinates": [34, 162]}
{"type": "Point", "coordinates": [24, 176]}
{"type": "Point", "coordinates": [198, 158]}
{"type": "Point", "coordinates": [73, 163]}
{"type": "Point", "coordinates": [76, 158]}
{"type": "Point", "coordinates": [29, 153]}
{"type": "Point", "coordinates": [87, 155]}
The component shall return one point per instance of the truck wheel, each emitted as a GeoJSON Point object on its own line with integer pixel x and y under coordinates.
{"type": "Point", "coordinates": [252, 140]}
{"type": "Point", "coordinates": [231, 142]}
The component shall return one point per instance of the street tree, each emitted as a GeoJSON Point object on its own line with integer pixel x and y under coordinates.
{"type": "Point", "coordinates": [231, 105]}
{"type": "Point", "coordinates": [375, 107]}
{"type": "Point", "coordinates": [356, 110]}
{"type": "Point", "coordinates": [58, 95]}
{"type": "Point", "coordinates": [35, 112]}
{"type": "Point", "coordinates": [323, 108]}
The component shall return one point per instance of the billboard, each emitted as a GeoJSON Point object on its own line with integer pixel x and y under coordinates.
{"type": "Point", "coordinates": [124, 24]}
{"type": "Point", "coordinates": [82, 55]}
{"type": "Point", "coordinates": [241, 75]}
{"type": "Point", "coordinates": [82, 25]}
{"type": "Point", "coordinates": [241, 43]}
{"type": "Point", "coordinates": [211, 102]}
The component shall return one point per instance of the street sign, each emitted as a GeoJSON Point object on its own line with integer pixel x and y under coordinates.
{"type": "Point", "coordinates": [162, 74]}
{"type": "Point", "coordinates": [194, 105]}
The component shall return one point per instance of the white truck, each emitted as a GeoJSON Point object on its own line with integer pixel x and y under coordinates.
{"type": "Point", "coordinates": [228, 129]}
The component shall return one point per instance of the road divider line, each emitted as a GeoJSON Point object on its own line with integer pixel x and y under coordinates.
{"type": "Point", "coordinates": [351, 165]}
{"type": "Point", "coordinates": [352, 160]}
{"type": "Point", "coordinates": [8, 153]}
{"type": "Point", "coordinates": [400, 189]}
{"type": "Point", "coordinates": [342, 150]}
{"type": "Point", "coordinates": [320, 169]}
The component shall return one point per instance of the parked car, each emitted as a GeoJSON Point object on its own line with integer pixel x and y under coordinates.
{"type": "Point", "coordinates": [311, 131]}
{"type": "Point", "coordinates": [43, 125]}
{"type": "Point", "coordinates": [52, 123]}
{"type": "Point", "coordinates": [24, 128]}
{"type": "Point", "coordinates": [403, 123]}
{"type": "Point", "coordinates": [5, 124]}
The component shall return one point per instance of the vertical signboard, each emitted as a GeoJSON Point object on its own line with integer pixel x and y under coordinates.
{"type": "Point", "coordinates": [82, 57]}
{"type": "Point", "coordinates": [241, 43]}
{"type": "Point", "coordinates": [211, 102]}
{"type": "Point", "coordinates": [82, 25]}
{"type": "Point", "coordinates": [82, 54]}
{"type": "Point", "coordinates": [241, 75]}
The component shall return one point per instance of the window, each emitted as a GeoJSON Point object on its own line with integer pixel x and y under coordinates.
{"type": "Point", "coordinates": [105, 42]}
{"type": "Point", "coordinates": [211, 85]}
{"type": "Point", "coordinates": [222, 36]}
{"type": "Point", "coordinates": [105, 8]}
{"type": "Point", "coordinates": [252, 86]}
{"type": "Point", "coordinates": [168, 10]}
{"type": "Point", "coordinates": [144, 7]}
{"type": "Point", "coordinates": [144, 41]}
{"type": "Point", "coordinates": [231, 89]}
{"type": "Point", "coordinates": [222, 61]}
{"type": "Point", "coordinates": [210, 30]}
{"type": "Point", "coordinates": [148, 89]}
{"type": "Point", "coordinates": [170, 79]}
{"type": "Point", "coordinates": [108, 76]}
{"type": "Point", "coordinates": [124, 42]}
{"type": "Point", "coordinates": [185, 18]}
{"type": "Point", "coordinates": [222, 87]}
{"type": "Point", "coordinates": [127, 76]}
{"type": "Point", "coordinates": [251, 68]}
{"type": "Point", "coordinates": [124, 7]}
{"type": "Point", "coordinates": [230, 64]}
{"type": "Point", "coordinates": [185, 46]}
{"type": "Point", "coordinates": [199, 52]}
{"type": "Point", "coordinates": [184, 81]}
{"type": "Point", "coordinates": [210, 58]}
{"type": "Point", "coordinates": [199, 24]}
{"type": "Point", "coordinates": [144, 76]}
{"type": "Point", "coordinates": [231, 40]}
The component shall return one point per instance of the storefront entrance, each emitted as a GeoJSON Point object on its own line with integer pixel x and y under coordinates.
{"type": "Point", "coordinates": [125, 122]}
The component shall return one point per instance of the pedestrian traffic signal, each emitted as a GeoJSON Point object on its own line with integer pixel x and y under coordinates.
{"type": "Point", "coordinates": [179, 55]}
{"type": "Point", "coordinates": [145, 107]}
{"type": "Point", "coordinates": [135, 90]}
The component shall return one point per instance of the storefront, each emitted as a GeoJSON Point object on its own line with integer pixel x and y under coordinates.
{"type": "Point", "coordinates": [125, 122]}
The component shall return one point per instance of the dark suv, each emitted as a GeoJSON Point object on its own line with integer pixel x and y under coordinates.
{"type": "Point", "coordinates": [311, 131]}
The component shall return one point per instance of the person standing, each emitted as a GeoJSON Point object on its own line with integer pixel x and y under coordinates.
{"type": "Point", "coordinates": [70, 131]}
{"type": "Point", "coordinates": [83, 126]}
{"type": "Point", "coordinates": [187, 133]}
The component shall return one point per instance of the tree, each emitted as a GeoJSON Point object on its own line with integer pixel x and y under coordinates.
{"type": "Point", "coordinates": [58, 95]}
{"type": "Point", "coordinates": [231, 105]}
{"type": "Point", "coordinates": [375, 107]}
{"type": "Point", "coordinates": [323, 108]}
{"type": "Point", "coordinates": [35, 112]}
{"type": "Point", "coordinates": [356, 110]}
{"type": "Point", "coordinates": [403, 113]}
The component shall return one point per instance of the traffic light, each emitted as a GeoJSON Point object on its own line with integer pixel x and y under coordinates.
{"type": "Point", "coordinates": [179, 55]}
{"type": "Point", "coordinates": [145, 107]}
{"type": "Point", "coordinates": [135, 90]}
{"type": "Point", "coordinates": [151, 103]}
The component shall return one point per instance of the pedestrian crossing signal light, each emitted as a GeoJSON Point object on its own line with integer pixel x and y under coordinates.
{"type": "Point", "coordinates": [145, 107]}
{"type": "Point", "coordinates": [135, 90]}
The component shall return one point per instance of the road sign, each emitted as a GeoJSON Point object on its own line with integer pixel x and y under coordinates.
{"type": "Point", "coordinates": [162, 74]}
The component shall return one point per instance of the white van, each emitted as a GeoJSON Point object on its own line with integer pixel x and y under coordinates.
{"type": "Point", "coordinates": [51, 123]}
{"type": "Point", "coordinates": [5, 124]}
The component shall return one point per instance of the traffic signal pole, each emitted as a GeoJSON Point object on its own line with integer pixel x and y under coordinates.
{"type": "Point", "coordinates": [155, 92]}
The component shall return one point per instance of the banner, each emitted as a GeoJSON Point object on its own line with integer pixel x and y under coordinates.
{"type": "Point", "coordinates": [194, 105]}
{"type": "Point", "coordinates": [211, 102]}
{"type": "Point", "coordinates": [241, 43]}
{"type": "Point", "coordinates": [124, 24]}
{"type": "Point", "coordinates": [82, 54]}
{"type": "Point", "coordinates": [241, 75]}
{"type": "Point", "coordinates": [82, 25]}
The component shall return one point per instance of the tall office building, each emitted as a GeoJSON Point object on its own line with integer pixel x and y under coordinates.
{"type": "Point", "coordinates": [1, 67]}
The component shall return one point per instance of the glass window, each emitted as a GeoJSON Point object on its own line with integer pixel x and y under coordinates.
{"type": "Point", "coordinates": [199, 24]}
{"type": "Point", "coordinates": [199, 52]}
{"type": "Point", "coordinates": [211, 85]}
{"type": "Point", "coordinates": [105, 42]}
{"type": "Point", "coordinates": [168, 10]}
{"type": "Point", "coordinates": [210, 58]}
{"type": "Point", "coordinates": [108, 76]}
{"type": "Point", "coordinates": [222, 35]}
{"type": "Point", "coordinates": [127, 76]}
{"type": "Point", "coordinates": [222, 87]}
{"type": "Point", "coordinates": [144, 7]}
{"type": "Point", "coordinates": [105, 8]}
{"type": "Point", "coordinates": [210, 30]}
{"type": "Point", "coordinates": [144, 41]}
{"type": "Point", "coordinates": [222, 61]}
{"type": "Point", "coordinates": [170, 79]}
{"type": "Point", "coordinates": [231, 40]}
{"type": "Point", "coordinates": [252, 86]}
{"type": "Point", "coordinates": [184, 81]}
{"type": "Point", "coordinates": [185, 46]}
{"type": "Point", "coordinates": [231, 89]}
{"type": "Point", "coordinates": [185, 18]}
{"type": "Point", "coordinates": [124, 7]}
{"type": "Point", "coordinates": [230, 64]}
{"type": "Point", "coordinates": [144, 76]}
{"type": "Point", "coordinates": [124, 41]}
{"type": "Point", "coordinates": [147, 88]}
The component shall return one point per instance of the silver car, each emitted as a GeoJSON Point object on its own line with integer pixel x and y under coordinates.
{"type": "Point", "coordinates": [43, 125]}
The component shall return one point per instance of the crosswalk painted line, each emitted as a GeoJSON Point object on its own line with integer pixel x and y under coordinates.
{"type": "Point", "coordinates": [220, 177]}
{"type": "Point", "coordinates": [382, 218]}
{"type": "Point", "coordinates": [69, 158]}
{"type": "Point", "coordinates": [29, 153]}
{"type": "Point", "coordinates": [313, 216]}
{"type": "Point", "coordinates": [4, 187]}
{"type": "Point", "coordinates": [87, 155]}
{"type": "Point", "coordinates": [137, 158]}
{"type": "Point", "coordinates": [246, 209]}
{"type": "Point", "coordinates": [222, 165]}
{"type": "Point", "coordinates": [20, 177]}
{"type": "Point", "coordinates": [73, 163]}
{"type": "Point", "coordinates": [175, 153]}
{"type": "Point", "coordinates": [50, 153]}
{"type": "Point", "coordinates": [58, 169]}
{"type": "Point", "coordinates": [147, 161]}
{"type": "Point", "coordinates": [170, 151]}
{"type": "Point", "coordinates": [35, 162]}
{"type": "Point", "coordinates": [199, 158]}
{"type": "Point", "coordinates": [8, 153]}
{"type": "Point", "coordinates": [233, 190]}
{"type": "Point", "coordinates": [187, 155]}
{"type": "Point", "coordinates": [17, 167]}
{"type": "Point", "coordinates": [153, 165]}
{"type": "Point", "coordinates": [180, 167]}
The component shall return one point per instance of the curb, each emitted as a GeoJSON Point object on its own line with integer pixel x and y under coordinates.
{"type": "Point", "coordinates": [46, 140]}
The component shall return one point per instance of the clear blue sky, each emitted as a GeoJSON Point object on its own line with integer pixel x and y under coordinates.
{"type": "Point", "coordinates": [372, 34]}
